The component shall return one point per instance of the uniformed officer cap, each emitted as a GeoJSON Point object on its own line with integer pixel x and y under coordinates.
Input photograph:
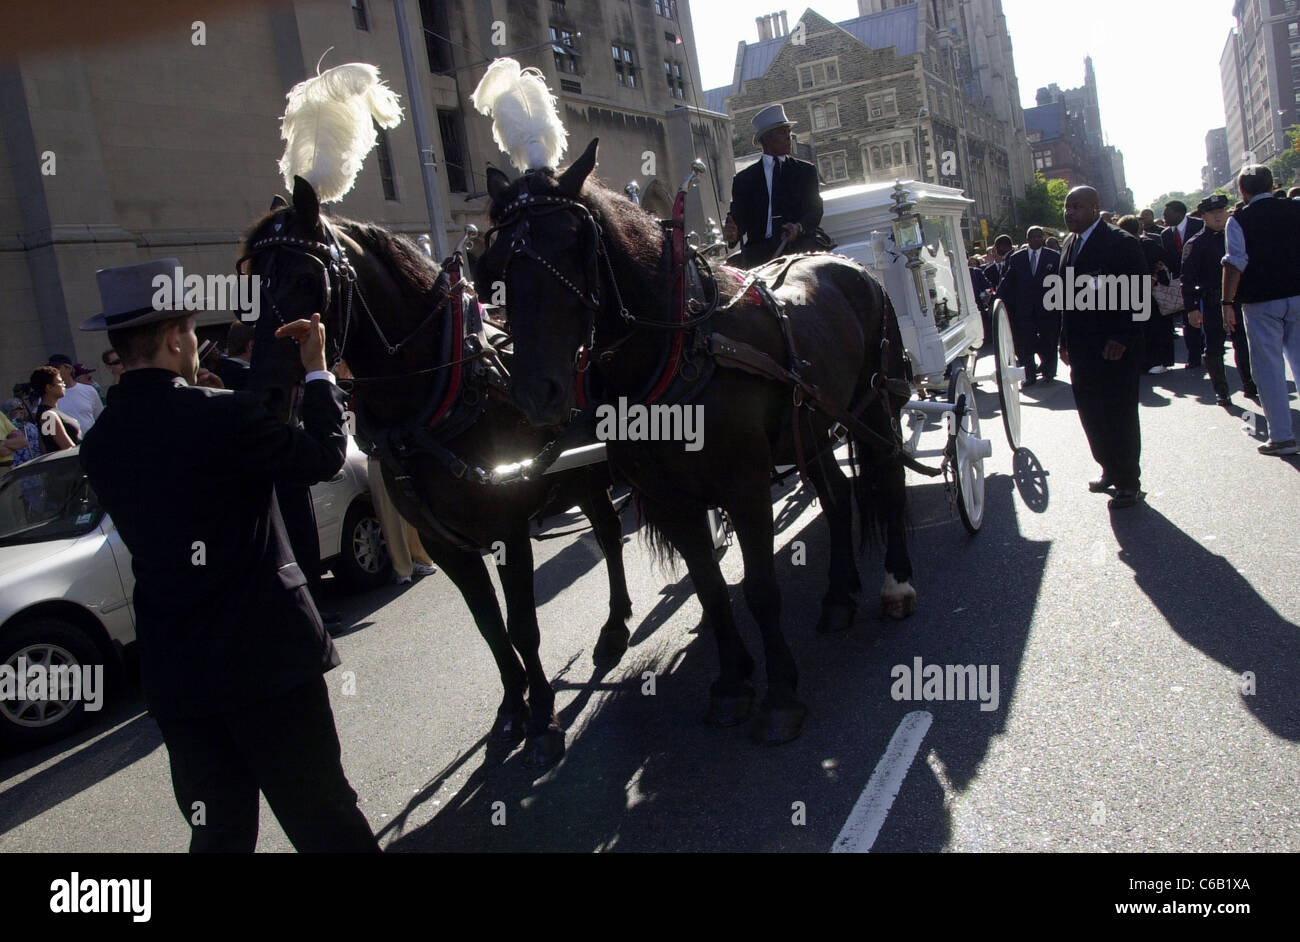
{"type": "Point", "coordinates": [1211, 203]}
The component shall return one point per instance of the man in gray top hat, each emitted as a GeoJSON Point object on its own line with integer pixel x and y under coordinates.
{"type": "Point", "coordinates": [232, 649]}
{"type": "Point", "coordinates": [775, 206]}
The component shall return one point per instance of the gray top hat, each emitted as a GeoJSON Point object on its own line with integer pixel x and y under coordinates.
{"type": "Point", "coordinates": [773, 116]}
{"type": "Point", "coordinates": [128, 293]}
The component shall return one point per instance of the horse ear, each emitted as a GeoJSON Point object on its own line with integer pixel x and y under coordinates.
{"type": "Point", "coordinates": [572, 179]}
{"type": "Point", "coordinates": [497, 183]}
{"type": "Point", "coordinates": [305, 203]}
{"type": "Point", "coordinates": [277, 202]}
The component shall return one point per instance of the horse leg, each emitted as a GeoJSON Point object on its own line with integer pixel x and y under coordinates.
{"type": "Point", "coordinates": [607, 527]}
{"type": "Point", "coordinates": [897, 596]}
{"type": "Point", "coordinates": [468, 572]}
{"type": "Point", "coordinates": [545, 737]}
{"type": "Point", "coordinates": [731, 697]}
{"type": "Point", "coordinates": [840, 604]}
{"type": "Point", "coordinates": [781, 715]}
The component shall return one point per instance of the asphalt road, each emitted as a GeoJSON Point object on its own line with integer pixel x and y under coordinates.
{"type": "Point", "coordinates": [1122, 640]}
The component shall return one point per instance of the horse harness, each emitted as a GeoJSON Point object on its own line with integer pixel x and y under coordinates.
{"type": "Point", "coordinates": [681, 375]}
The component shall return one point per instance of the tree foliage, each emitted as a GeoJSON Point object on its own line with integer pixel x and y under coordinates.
{"type": "Point", "coordinates": [1043, 205]}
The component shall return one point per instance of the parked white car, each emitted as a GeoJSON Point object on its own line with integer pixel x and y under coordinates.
{"type": "Point", "coordinates": [66, 579]}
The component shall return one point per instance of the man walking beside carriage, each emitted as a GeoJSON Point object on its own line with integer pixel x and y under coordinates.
{"type": "Point", "coordinates": [775, 204]}
{"type": "Point", "coordinates": [1035, 329]}
{"type": "Point", "coordinates": [1103, 346]}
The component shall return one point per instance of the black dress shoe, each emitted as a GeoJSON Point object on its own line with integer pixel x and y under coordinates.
{"type": "Point", "coordinates": [1126, 498]}
{"type": "Point", "coordinates": [1028, 382]}
{"type": "Point", "coordinates": [1100, 485]}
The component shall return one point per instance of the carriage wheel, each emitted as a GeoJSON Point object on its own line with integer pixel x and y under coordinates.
{"type": "Point", "coordinates": [720, 530]}
{"type": "Point", "coordinates": [968, 451]}
{"type": "Point", "coordinates": [1008, 373]}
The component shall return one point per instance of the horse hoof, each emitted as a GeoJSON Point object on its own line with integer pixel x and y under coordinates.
{"type": "Point", "coordinates": [730, 710]}
{"type": "Point", "coordinates": [897, 607]}
{"type": "Point", "coordinates": [779, 724]}
{"type": "Point", "coordinates": [837, 616]}
{"type": "Point", "coordinates": [510, 725]}
{"type": "Point", "coordinates": [611, 645]}
{"type": "Point", "coordinates": [544, 749]}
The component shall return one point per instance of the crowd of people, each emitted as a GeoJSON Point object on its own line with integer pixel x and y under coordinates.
{"type": "Point", "coordinates": [53, 408]}
{"type": "Point", "coordinates": [1223, 274]}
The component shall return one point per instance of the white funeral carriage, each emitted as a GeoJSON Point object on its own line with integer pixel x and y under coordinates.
{"type": "Point", "coordinates": [908, 234]}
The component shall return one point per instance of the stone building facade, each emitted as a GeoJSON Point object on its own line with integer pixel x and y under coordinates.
{"type": "Point", "coordinates": [166, 146]}
{"type": "Point", "coordinates": [905, 90]}
{"type": "Point", "coordinates": [1260, 71]}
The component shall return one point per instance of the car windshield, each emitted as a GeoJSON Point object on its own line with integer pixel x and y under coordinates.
{"type": "Point", "coordinates": [47, 500]}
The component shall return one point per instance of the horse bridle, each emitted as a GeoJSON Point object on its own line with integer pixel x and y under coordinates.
{"type": "Point", "coordinates": [335, 269]}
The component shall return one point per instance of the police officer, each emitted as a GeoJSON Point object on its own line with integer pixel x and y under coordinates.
{"type": "Point", "coordinates": [1202, 281]}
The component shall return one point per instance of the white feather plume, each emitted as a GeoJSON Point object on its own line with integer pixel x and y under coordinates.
{"type": "Point", "coordinates": [525, 124]}
{"type": "Point", "coordinates": [328, 130]}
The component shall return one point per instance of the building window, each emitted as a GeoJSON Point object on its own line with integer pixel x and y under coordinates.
{"type": "Point", "coordinates": [359, 15]}
{"type": "Point", "coordinates": [1295, 50]}
{"type": "Point", "coordinates": [882, 105]}
{"type": "Point", "coordinates": [433, 17]}
{"type": "Point", "coordinates": [385, 164]}
{"type": "Point", "coordinates": [564, 46]}
{"type": "Point", "coordinates": [673, 72]}
{"type": "Point", "coordinates": [453, 154]}
{"type": "Point", "coordinates": [1293, 30]}
{"type": "Point", "coordinates": [825, 114]}
{"type": "Point", "coordinates": [624, 65]}
{"type": "Point", "coordinates": [666, 8]}
{"type": "Point", "coordinates": [568, 85]}
{"type": "Point", "coordinates": [833, 167]}
{"type": "Point", "coordinates": [818, 74]}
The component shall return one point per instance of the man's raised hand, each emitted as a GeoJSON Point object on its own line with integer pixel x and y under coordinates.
{"type": "Point", "coordinates": [310, 335]}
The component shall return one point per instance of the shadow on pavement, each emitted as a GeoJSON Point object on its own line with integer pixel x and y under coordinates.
{"type": "Point", "coordinates": [643, 773]}
{"type": "Point", "coordinates": [1213, 607]}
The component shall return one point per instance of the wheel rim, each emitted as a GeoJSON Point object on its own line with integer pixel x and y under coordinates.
{"type": "Point", "coordinates": [35, 714]}
{"type": "Point", "coordinates": [369, 548]}
{"type": "Point", "coordinates": [970, 470]}
{"type": "Point", "coordinates": [1008, 388]}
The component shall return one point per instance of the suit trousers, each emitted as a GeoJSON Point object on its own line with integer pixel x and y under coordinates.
{"type": "Point", "coordinates": [1159, 332]}
{"type": "Point", "coordinates": [1106, 394]}
{"type": "Point", "coordinates": [1216, 339]}
{"type": "Point", "coordinates": [1194, 341]}
{"type": "Point", "coordinates": [287, 748]}
{"type": "Point", "coordinates": [1037, 335]}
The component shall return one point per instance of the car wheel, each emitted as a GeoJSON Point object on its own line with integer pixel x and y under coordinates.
{"type": "Point", "coordinates": [364, 562]}
{"type": "Point", "coordinates": [47, 643]}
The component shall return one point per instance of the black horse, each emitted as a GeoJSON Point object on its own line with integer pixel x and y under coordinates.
{"type": "Point", "coordinates": [584, 267]}
{"type": "Point", "coordinates": [387, 311]}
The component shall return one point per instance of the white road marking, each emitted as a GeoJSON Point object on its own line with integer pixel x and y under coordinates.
{"type": "Point", "coordinates": [868, 815]}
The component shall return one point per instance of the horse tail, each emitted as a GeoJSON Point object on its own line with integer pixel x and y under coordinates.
{"type": "Point", "coordinates": [661, 548]}
{"type": "Point", "coordinates": [878, 477]}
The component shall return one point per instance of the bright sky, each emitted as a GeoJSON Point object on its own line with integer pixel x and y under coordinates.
{"type": "Point", "coordinates": [1159, 123]}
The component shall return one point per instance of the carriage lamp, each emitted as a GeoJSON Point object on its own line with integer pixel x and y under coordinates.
{"type": "Point", "coordinates": [908, 235]}
{"type": "Point", "coordinates": [633, 191]}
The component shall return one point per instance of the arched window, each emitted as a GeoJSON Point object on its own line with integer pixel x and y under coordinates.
{"type": "Point", "coordinates": [875, 158]}
{"type": "Point", "coordinates": [898, 153]}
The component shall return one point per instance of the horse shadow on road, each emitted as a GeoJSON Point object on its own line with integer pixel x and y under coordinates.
{"type": "Point", "coordinates": [643, 773]}
{"type": "Point", "coordinates": [1213, 607]}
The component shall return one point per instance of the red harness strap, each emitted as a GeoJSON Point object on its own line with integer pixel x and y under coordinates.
{"type": "Point", "coordinates": [455, 300]}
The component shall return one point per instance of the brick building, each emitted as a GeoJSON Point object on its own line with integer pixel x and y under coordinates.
{"type": "Point", "coordinates": [1260, 71]}
{"type": "Point", "coordinates": [906, 90]}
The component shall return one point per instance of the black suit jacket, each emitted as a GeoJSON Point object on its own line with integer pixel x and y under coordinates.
{"type": "Point", "coordinates": [1108, 251]}
{"type": "Point", "coordinates": [1021, 291]}
{"type": "Point", "coordinates": [1169, 238]}
{"type": "Point", "coordinates": [992, 275]}
{"type": "Point", "coordinates": [234, 373]}
{"type": "Point", "coordinates": [223, 615]}
{"type": "Point", "coordinates": [796, 200]}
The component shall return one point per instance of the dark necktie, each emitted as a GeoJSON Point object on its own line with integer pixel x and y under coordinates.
{"type": "Point", "coordinates": [777, 164]}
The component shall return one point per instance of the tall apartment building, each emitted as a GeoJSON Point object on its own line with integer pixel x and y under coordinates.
{"type": "Point", "coordinates": [1069, 143]}
{"type": "Point", "coordinates": [158, 147]}
{"type": "Point", "coordinates": [923, 90]}
{"type": "Point", "coordinates": [1218, 166]}
{"type": "Point", "coordinates": [1260, 71]}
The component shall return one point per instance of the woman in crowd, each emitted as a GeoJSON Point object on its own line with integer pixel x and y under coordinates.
{"type": "Point", "coordinates": [58, 431]}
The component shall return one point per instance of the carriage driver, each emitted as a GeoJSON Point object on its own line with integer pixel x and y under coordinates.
{"type": "Point", "coordinates": [775, 206]}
